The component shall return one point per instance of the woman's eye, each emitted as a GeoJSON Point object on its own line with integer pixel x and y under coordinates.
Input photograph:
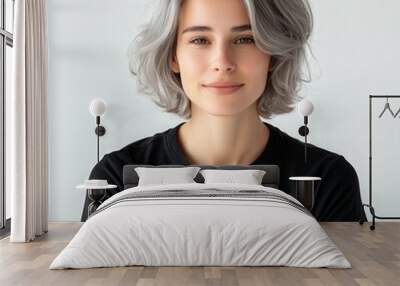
{"type": "Point", "coordinates": [243, 40]}
{"type": "Point", "coordinates": [197, 41]}
{"type": "Point", "coordinates": [249, 40]}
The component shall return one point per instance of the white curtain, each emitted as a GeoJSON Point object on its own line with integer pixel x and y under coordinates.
{"type": "Point", "coordinates": [28, 122]}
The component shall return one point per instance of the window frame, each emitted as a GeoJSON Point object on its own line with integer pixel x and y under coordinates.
{"type": "Point", "coordinates": [6, 39]}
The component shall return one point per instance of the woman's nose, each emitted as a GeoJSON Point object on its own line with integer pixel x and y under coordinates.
{"type": "Point", "coordinates": [223, 60]}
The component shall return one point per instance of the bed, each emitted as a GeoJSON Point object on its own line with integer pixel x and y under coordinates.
{"type": "Point", "coordinates": [201, 224]}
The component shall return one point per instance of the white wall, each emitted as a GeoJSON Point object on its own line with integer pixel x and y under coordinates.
{"type": "Point", "coordinates": [355, 45]}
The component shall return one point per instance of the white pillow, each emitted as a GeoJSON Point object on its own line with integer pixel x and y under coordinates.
{"type": "Point", "coordinates": [161, 176]}
{"type": "Point", "coordinates": [249, 177]}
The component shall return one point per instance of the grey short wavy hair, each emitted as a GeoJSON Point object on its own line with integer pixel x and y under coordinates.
{"type": "Point", "coordinates": [281, 28]}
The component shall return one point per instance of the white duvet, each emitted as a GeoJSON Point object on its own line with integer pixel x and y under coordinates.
{"type": "Point", "coordinates": [189, 230]}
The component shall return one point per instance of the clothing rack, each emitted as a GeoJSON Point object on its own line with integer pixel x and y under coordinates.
{"type": "Point", "coordinates": [371, 208]}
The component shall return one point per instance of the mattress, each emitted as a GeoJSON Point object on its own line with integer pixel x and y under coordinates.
{"type": "Point", "coordinates": [197, 224]}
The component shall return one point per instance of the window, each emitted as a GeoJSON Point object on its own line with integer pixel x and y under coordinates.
{"type": "Point", "coordinates": [6, 44]}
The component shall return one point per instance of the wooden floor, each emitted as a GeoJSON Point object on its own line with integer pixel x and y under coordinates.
{"type": "Point", "coordinates": [375, 257]}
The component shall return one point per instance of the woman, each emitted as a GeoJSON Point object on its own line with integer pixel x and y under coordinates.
{"type": "Point", "coordinates": [222, 65]}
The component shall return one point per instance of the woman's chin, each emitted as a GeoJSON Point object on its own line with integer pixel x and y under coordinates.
{"type": "Point", "coordinates": [224, 111]}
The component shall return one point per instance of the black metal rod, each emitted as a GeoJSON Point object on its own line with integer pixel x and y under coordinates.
{"type": "Point", "coordinates": [305, 148]}
{"type": "Point", "coordinates": [305, 138]}
{"type": "Point", "coordinates": [384, 96]}
{"type": "Point", "coordinates": [98, 142]}
{"type": "Point", "coordinates": [370, 151]}
{"type": "Point", "coordinates": [97, 133]}
{"type": "Point", "coordinates": [387, 217]}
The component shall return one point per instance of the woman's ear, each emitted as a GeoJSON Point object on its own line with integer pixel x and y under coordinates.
{"type": "Point", "coordinates": [174, 64]}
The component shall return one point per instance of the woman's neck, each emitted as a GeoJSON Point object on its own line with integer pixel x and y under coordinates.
{"type": "Point", "coordinates": [223, 140]}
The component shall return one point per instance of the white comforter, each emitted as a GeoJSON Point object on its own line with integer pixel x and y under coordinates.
{"type": "Point", "coordinates": [188, 230]}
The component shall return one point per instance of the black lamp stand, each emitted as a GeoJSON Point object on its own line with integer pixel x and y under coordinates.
{"type": "Point", "coordinates": [97, 196]}
{"type": "Point", "coordinates": [303, 131]}
{"type": "Point", "coordinates": [100, 131]}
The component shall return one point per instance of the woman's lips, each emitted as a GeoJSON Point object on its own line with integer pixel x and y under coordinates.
{"type": "Point", "coordinates": [223, 90]}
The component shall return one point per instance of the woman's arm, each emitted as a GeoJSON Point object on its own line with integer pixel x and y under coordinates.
{"type": "Point", "coordinates": [338, 197]}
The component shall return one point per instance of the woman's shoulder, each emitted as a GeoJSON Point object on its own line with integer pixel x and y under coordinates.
{"type": "Point", "coordinates": [319, 160]}
{"type": "Point", "coordinates": [148, 150]}
{"type": "Point", "coordinates": [293, 147]}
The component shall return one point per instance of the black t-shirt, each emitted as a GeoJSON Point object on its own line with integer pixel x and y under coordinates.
{"type": "Point", "coordinates": [338, 193]}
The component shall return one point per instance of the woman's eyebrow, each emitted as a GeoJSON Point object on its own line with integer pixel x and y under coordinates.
{"type": "Point", "coordinates": [241, 28]}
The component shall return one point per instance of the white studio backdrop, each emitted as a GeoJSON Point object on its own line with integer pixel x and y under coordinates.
{"type": "Point", "coordinates": [355, 48]}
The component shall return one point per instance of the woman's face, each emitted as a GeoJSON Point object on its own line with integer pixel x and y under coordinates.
{"type": "Point", "coordinates": [218, 54]}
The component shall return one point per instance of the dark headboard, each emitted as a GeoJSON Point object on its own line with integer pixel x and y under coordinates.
{"type": "Point", "coordinates": [270, 179]}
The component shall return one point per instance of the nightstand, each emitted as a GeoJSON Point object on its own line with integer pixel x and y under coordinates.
{"type": "Point", "coordinates": [305, 190]}
{"type": "Point", "coordinates": [96, 194]}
